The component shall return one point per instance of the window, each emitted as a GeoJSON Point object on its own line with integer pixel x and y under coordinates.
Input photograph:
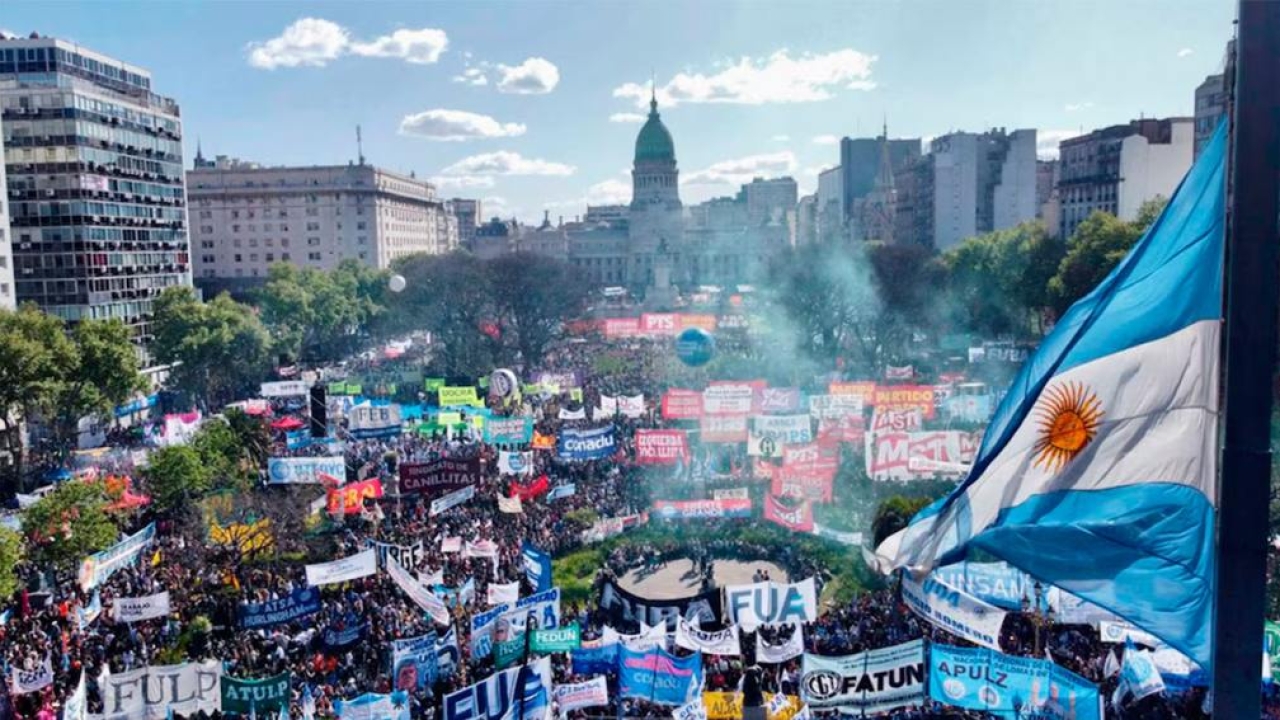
{"type": "Point", "coordinates": [271, 257]}
{"type": "Point", "coordinates": [239, 257]}
{"type": "Point", "coordinates": [206, 229]}
{"type": "Point", "coordinates": [268, 242]}
{"type": "Point", "coordinates": [313, 242]}
{"type": "Point", "coordinates": [313, 226]}
{"type": "Point", "coordinates": [313, 256]}
{"type": "Point", "coordinates": [284, 257]}
{"type": "Point", "coordinates": [284, 242]}
{"type": "Point", "coordinates": [235, 228]}
{"type": "Point", "coordinates": [206, 244]}
{"type": "Point", "coordinates": [235, 214]}
{"type": "Point", "coordinates": [253, 257]}
{"type": "Point", "coordinates": [208, 258]}
{"type": "Point", "coordinates": [361, 240]}
{"type": "Point", "coordinates": [253, 242]}
{"type": "Point", "coordinates": [312, 212]}
{"type": "Point", "coordinates": [206, 214]}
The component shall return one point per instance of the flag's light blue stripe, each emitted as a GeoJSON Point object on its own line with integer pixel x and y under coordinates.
{"type": "Point", "coordinates": [1167, 594]}
{"type": "Point", "coordinates": [1171, 279]}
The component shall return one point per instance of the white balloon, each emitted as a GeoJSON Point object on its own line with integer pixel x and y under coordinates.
{"type": "Point", "coordinates": [397, 283]}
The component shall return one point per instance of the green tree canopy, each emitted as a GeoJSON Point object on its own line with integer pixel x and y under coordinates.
{"type": "Point", "coordinates": [450, 296]}
{"type": "Point", "coordinates": [222, 346]}
{"type": "Point", "coordinates": [176, 475]}
{"type": "Point", "coordinates": [1097, 246]}
{"type": "Point", "coordinates": [12, 552]}
{"type": "Point", "coordinates": [321, 316]}
{"type": "Point", "coordinates": [69, 523]}
{"type": "Point", "coordinates": [999, 282]}
{"type": "Point", "coordinates": [534, 296]}
{"type": "Point", "coordinates": [894, 514]}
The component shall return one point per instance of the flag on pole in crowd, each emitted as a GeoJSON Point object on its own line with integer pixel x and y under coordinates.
{"type": "Point", "coordinates": [308, 703]}
{"type": "Point", "coordinates": [1098, 471]}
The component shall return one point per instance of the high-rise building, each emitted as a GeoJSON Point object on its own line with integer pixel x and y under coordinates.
{"type": "Point", "coordinates": [968, 184]}
{"type": "Point", "coordinates": [1047, 206]}
{"type": "Point", "coordinates": [97, 205]}
{"type": "Point", "coordinates": [807, 220]}
{"type": "Point", "coordinates": [872, 216]}
{"type": "Point", "coordinates": [246, 217]}
{"type": "Point", "coordinates": [467, 212]}
{"type": "Point", "coordinates": [861, 160]}
{"type": "Point", "coordinates": [1211, 100]}
{"type": "Point", "coordinates": [7, 297]}
{"type": "Point", "coordinates": [832, 222]}
{"type": "Point", "coordinates": [1117, 169]}
{"type": "Point", "coordinates": [769, 200]}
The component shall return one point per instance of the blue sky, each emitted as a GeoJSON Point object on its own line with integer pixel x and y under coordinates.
{"type": "Point", "coordinates": [747, 87]}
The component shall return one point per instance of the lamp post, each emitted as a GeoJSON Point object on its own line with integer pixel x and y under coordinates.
{"type": "Point", "coordinates": [1041, 615]}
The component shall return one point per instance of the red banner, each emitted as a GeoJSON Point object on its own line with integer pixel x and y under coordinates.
{"type": "Point", "coordinates": [621, 327]}
{"type": "Point", "coordinates": [661, 447]}
{"type": "Point", "coordinates": [807, 472]}
{"type": "Point", "coordinates": [705, 322]}
{"type": "Point", "coordinates": [890, 420]}
{"type": "Point", "coordinates": [841, 429]}
{"type": "Point", "coordinates": [728, 429]}
{"type": "Point", "coordinates": [865, 389]}
{"type": "Point", "coordinates": [680, 404]}
{"type": "Point", "coordinates": [906, 397]}
{"type": "Point", "coordinates": [799, 519]}
{"type": "Point", "coordinates": [530, 491]}
{"type": "Point", "coordinates": [763, 468]}
{"type": "Point", "coordinates": [890, 454]}
{"type": "Point", "coordinates": [349, 499]}
{"type": "Point", "coordinates": [660, 324]}
{"type": "Point", "coordinates": [733, 397]}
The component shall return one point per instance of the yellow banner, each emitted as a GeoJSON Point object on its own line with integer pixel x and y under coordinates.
{"type": "Point", "coordinates": [728, 706]}
{"type": "Point", "coordinates": [249, 538]}
{"type": "Point", "coordinates": [452, 396]}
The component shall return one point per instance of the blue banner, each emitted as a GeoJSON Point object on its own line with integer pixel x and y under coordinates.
{"type": "Point", "coordinates": [994, 582]}
{"type": "Point", "coordinates": [512, 694]}
{"type": "Point", "coordinates": [658, 676]}
{"type": "Point", "coordinates": [415, 662]}
{"type": "Point", "coordinates": [596, 660]}
{"type": "Point", "coordinates": [595, 444]}
{"type": "Point", "coordinates": [370, 705]}
{"type": "Point", "coordinates": [537, 567]}
{"type": "Point", "coordinates": [340, 638]}
{"type": "Point", "coordinates": [298, 603]}
{"type": "Point", "coordinates": [982, 679]}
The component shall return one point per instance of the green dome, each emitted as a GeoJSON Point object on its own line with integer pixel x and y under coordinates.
{"type": "Point", "coordinates": [654, 141]}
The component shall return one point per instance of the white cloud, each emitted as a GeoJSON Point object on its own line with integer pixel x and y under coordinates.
{"type": "Point", "coordinates": [826, 139]}
{"type": "Point", "coordinates": [534, 76]}
{"type": "Point", "coordinates": [781, 138]}
{"type": "Point", "coordinates": [607, 192]}
{"type": "Point", "coordinates": [1074, 107]}
{"type": "Point", "coordinates": [315, 42]}
{"type": "Point", "coordinates": [626, 118]}
{"type": "Point", "coordinates": [494, 206]}
{"type": "Point", "coordinates": [504, 162]}
{"type": "Point", "coordinates": [419, 47]}
{"type": "Point", "coordinates": [742, 170]}
{"type": "Point", "coordinates": [1185, 52]}
{"type": "Point", "coordinates": [472, 76]}
{"type": "Point", "coordinates": [462, 181]}
{"type": "Point", "coordinates": [1047, 141]}
{"type": "Point", "coordinates": [778, 78]}
{"type": "Point", "coordinates": [457, 125]}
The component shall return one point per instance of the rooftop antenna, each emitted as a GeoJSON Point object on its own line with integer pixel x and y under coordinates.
{"type": "Point", "coordinates": [359, 146]}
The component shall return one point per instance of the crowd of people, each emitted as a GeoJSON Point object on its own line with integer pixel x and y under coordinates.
{"type": "Point", "coordinates": [342, 651]}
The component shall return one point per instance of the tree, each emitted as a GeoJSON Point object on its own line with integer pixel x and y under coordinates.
{"type": "Point", "coordinates": [534, 297]}
{"type": "Point", "coordinates": [34, 351]}
{"type": "Point", "coordinates": [233, 448]}
{"type": "Point", "coordinates": [176, 474]}
{"type": "Point", "coordinates": [68, 524]}
{"type": "Point", "coordinates": [449, 295]}
{"type": "Point", "coordinates": [12, 551]}
{"type": "Point", "coordinates": [321, 316]}
{"type": "Point", "coordinates": [825, 296]}
{"type": "Point", "coordinates": [222, 347]}
{"type": "Point", "coordinates": [104, 374]}
{"type": "Point", "coordinates": [998, 282]}
{"type": "Point", "coordinates": [894, 514]}
{"type": "Point", "coordinates": [907, 278]}
{"type": "Point", "coordinates": [1097, 246]}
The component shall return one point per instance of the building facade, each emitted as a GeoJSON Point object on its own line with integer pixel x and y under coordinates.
{"type": "Point", "coordinates": [246, 218]}
{"type": "Point", "coordinates": [861, 160]}
{"type": "Point", "coordinates": [1211, 107]}
{"type": "Point", "coordinates": [1117, 169]}
{"type": "Point", "coordinates": [8, 298]}
{"type": "Point", "coordinates": [968, 184]}
{"type": "Point", "coordinates": [467, 213]}
{"type": "Point", "coordinates": [96, 200]}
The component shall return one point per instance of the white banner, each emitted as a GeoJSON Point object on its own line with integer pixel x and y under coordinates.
{"type": "Point", "coordinates": [365, 421]}
{"type": "Point", "coordinates": [420, 596]}
{"type": "Point", "coordinates": [781, 648]}
{"type": "Point", "coordinates": [352, 567]}
{"type": "Point", "coordinates": [480, 548]}
{"type": "Point", "coordinates": [607, 409]}
{"type": "Point", "coordinates": [567, 414]}
{"type": "Point", "coordinates": [855, 683]}
{"type": "Point", "coordinates": [632, 407]}
{"type": "Point", "coordinates": [284, 388]}
{"type": "Point", "coordinates": [731, 494]}
{"type": "Point", "coordinates": [452, 500]}
{"type": "Point", "coordinates": [95, 569]}
{"type": "Point", "coordinates": [503, 593]}
{"type": "Point", "coordinates": [573, 696]}
{"type": "Point", "coordinates": [832, 407]}
{"type": "Point", "coordinates": [695, 710]}
{"type": "Point", "coordinates": [712, 642]}
{"type": "Point", "coordinates": [953, 610]}
{"type": "Point", "coordinates": [25, 681]}
{"type": "Point", "coordinates": [131, 610]}
{"type": "Point", "coordinates": [77, 703]}
{"type": "Point", "coordinates": [770, 432]}
{"type": "Point", "coordinates": [728, 399]}
{"type": "Point", "coordinates": [149, 693]}
{"type": "Point", "coordinates": [647, 639]}
{"type": "Point", "coordinates": [515, 463]}
{"type": "Point", "coordinates": [510, 505]}
{"type": "Point", "coordinates": [1119, 632]}
{"type": "Point", "coordinates": [769, 603]}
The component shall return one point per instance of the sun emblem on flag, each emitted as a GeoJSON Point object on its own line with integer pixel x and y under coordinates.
{"type": "Point", "coordinates": [1069, 415]}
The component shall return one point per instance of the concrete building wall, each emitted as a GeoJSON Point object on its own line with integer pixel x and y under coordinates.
{"type": "Point", "coordinates": [8, 299]}
{"type": "Point", "coordinates": [1015, 194]}
{"type": "Point", "coordinates": [955, 189]}
{"type": "Point", "coordinates": [1149, 170]}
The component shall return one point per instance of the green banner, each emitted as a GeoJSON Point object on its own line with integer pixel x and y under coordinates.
{"type": "Point", "coordinates": [508, 652]}
{"type": "Point", "coordinates": [354, 388]}
{"type": "Point", "coordinates": [484, 383]}
{"type": "Point", "coordinates": [561, 639]}
{"type": "Point", "coordinates": [531, 388]}
{"type": "Point", "coordinates": [433, 384]}
{"type": "Point", "coordinates": [1271, 636]}
{"type": "Point", "coordinates": [337, 388]}
{"type": "Point", "coordinates": [575, 394]}
{"type": "Point", "coordinates": [254, 696]}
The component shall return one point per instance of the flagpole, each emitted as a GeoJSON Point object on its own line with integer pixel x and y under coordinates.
{"type": "Point", "coordinates": [1251, 313]}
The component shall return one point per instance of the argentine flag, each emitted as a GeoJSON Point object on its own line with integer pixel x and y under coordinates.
{"type": "Point", "coordinates": [1098, 471]}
